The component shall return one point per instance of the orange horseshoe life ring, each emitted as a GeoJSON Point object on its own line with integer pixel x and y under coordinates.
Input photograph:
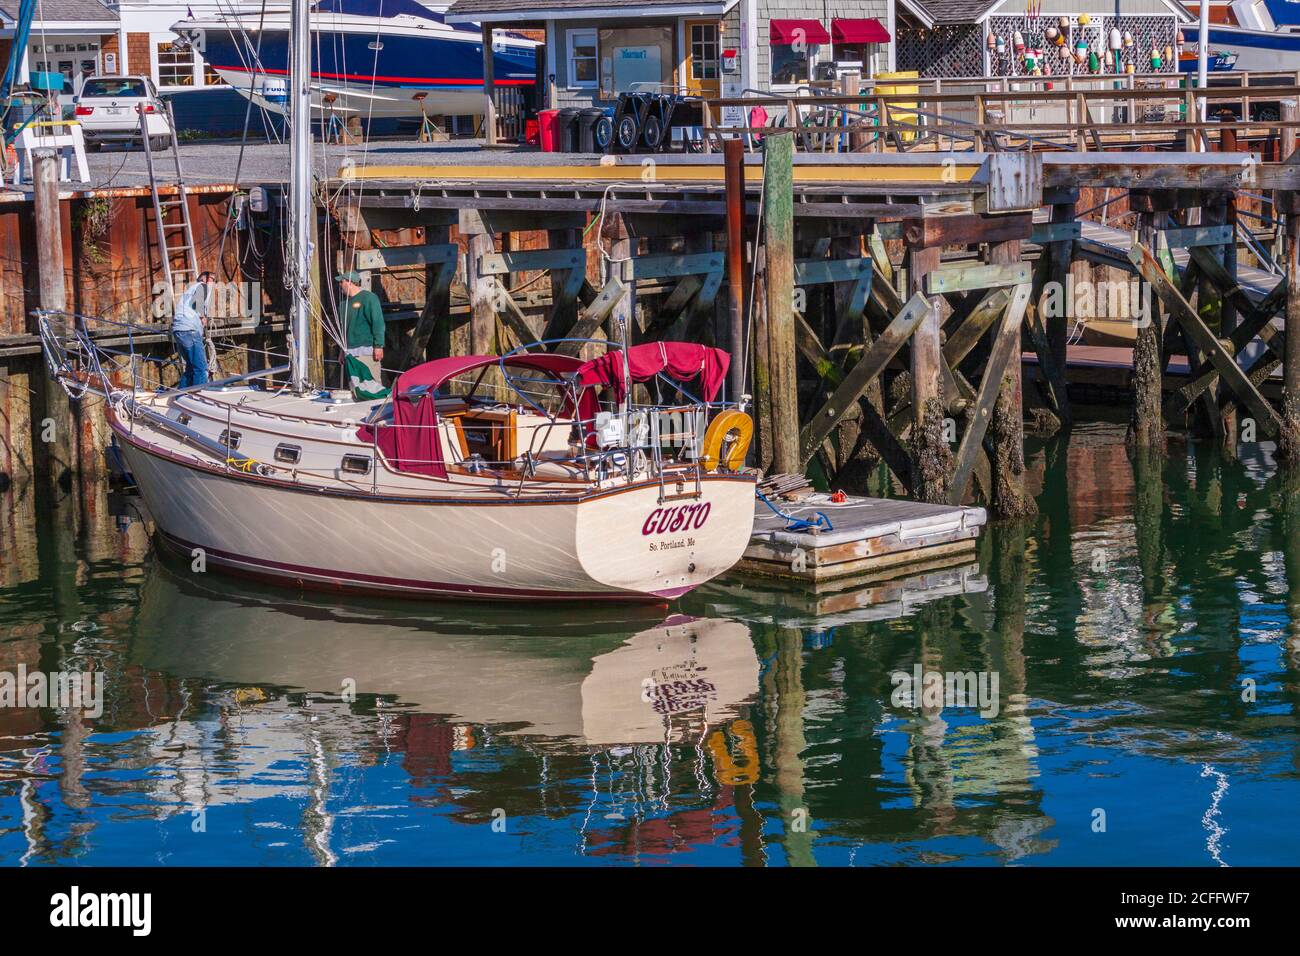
{"type": "Point", "coordinates": [727, 440]}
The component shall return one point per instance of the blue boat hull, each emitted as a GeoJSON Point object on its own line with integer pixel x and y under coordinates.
{"type": "Point", "coordinates": [360, 73]}
{"type": "Point", "coordinates": [1258, 50]}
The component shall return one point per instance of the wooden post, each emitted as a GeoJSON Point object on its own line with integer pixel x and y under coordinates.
{"type": "Point", "coordinates": [762, 377]}
{"type": "Point", "coordinates": [489, 88]}
{"type": "Point", "coordinates": [1058, 326]}
{"type": "Point", "coordinates": [1227, 311]}
{"type": "Point", "coordinates": [16, 426]}
{"type": "Point", "coordinates": [1007, 428]}
{"type": "Point", "coordinates": [851, 85]}
{"type": "Point", "coordinates": [778, 240]}
{"type": "Point", "coordinates": [316, 296]}
{"type": "Point", "coordinates": [931, 456]}
{"type": "Point", "coordinates": [1290, 114]}
{"type": "Point", "coordinates": [1147, 429]}
{"type": "Point", "coordinates": [433, 328]}
{"type": "Point", "coordinates": [622, 248]}
{"type": "Point", "coordinates": [564, 308]}
{"type": "Point", "coordinates": [57, 432]}
{"type": "Point", "coordinates": [1288, 450]}
{"type": "Point", "coordinates": [482, 296]}
{"type": "Point", "coordinates": [734, 160]}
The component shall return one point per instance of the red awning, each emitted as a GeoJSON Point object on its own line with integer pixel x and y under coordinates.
{"type": "Point", "coordinates": [790, 32]}
{"type": "Point", "coordinates": [846, 30]}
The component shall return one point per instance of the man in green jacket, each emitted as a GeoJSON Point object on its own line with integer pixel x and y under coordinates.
{"type": "Point", "coordinates": [363, 323]}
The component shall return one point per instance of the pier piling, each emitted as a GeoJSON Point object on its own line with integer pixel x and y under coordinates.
{"type": "Point", "coordinates": [778, 242]}
{"type": "Point", "coordinates": [1289, 440]}
{"type": "Point", "coordinates": [931, 456]}
{"type": "Point", "coordinates": [57, 428]}
{"type": "Point", "coordinates": [1007, 428]}
{"type": "Point", "coordinates": [1147, 424]}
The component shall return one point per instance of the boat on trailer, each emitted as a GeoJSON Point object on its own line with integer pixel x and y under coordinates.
{"type": "Point", "coordinates": [375, 59]}
{"type": "Point", "coordinates": [1252, 35]}
{"type": "Point", "coordinates": [434, 493]}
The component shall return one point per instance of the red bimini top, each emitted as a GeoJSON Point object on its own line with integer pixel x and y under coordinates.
{"type": "Point", "coordinates": [682, 361]}
{"type": "Point", "coordinates": [412, 444]}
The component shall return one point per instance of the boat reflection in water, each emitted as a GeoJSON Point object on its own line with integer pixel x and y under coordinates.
{"type": "Point", "coordinates": [304, 690]}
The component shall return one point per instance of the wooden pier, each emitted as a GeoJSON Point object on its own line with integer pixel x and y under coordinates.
{"type": "Point", "coordinates": [881, 305]}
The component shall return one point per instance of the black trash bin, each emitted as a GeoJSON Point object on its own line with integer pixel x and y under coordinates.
{"type": "Point", "coordinates": [587, 120]}
{"type": "Point", "coordinates": [566, 128]}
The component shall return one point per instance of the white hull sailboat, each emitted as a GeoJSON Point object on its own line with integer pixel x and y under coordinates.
{"type": "Point", "coordinates": [325, 522]}
{"type": "Point", "coordinates": [537, 491]}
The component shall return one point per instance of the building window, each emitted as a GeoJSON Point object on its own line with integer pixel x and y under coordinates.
{"type": "Point", "coordinates": [175, 66]}
{"type": "Point", "coordinates": [704, 51]}
{"type": "Point", "coordinates": [210, 76]}
{"type": "Point", "coordinates": [637, 59]}
{"type": "Point", "coordinates": [583, 58]}
{"type": "Point", "coordinates": [791, 64]}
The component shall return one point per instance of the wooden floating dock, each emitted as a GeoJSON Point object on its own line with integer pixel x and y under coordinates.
{"type": "Point", "coordinates": [830, 545]}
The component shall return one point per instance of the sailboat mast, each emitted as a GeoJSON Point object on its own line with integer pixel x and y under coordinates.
{"type": "Point", "coordinates": [301, 205]}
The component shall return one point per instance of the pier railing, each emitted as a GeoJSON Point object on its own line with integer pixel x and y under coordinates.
{"type": "Point", "coordinates": [1058, 113]}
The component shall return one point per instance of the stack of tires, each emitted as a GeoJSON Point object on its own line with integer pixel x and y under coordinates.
{"type": "Point", "coordinates": [642, 120]}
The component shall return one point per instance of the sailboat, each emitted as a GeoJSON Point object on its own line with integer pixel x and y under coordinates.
{"type": "Point", "coordinates": [529, 476]}
{"type": "Point", "coordinates": [376, 59]}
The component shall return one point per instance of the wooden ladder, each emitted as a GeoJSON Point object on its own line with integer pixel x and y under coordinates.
{"type": "Point", "coordinates": [175, 234]}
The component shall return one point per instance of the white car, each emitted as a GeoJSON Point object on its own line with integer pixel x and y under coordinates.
{"type": "Point", "coordinates": [109, 107]}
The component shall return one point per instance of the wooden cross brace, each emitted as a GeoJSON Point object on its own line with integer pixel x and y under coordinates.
{"type": "Point", "coordinates": [699, 277]}
{"type": "Point", "coordinates": [1220, 353]}
{"type": "Point", "coordinates": [855, 382]}
{"type": "Point", "coordinates": [439, 261]}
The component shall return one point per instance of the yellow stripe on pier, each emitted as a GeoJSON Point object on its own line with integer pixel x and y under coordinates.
{"type": "Point", "coordinates": [666, 173]}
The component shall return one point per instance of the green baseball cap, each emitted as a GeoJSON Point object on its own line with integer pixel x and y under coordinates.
{"type": "Point", "coordinates": [354, 277]}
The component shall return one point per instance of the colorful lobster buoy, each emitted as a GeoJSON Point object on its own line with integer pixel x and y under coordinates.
{"type": "Point", "coordinates": [1156, 61]}
{"type": "Point", "coordinates": [1115, 39]}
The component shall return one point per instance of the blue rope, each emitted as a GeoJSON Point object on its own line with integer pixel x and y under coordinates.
{"type": "Point", "coordinates": [793, 523]}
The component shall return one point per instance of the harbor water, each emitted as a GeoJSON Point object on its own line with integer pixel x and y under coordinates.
{"type": "Point", "coordinates": [1134, 651]}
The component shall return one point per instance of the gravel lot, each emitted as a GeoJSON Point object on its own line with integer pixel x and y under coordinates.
{"type": "Point", "coordinates": [220, 162]}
